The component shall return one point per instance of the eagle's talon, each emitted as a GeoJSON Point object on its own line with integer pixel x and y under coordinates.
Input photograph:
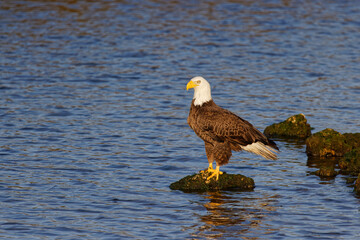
{"type": "Point", "coordinates": [216, 172]}
{"type": "Point", "coordinates": [209, 169]}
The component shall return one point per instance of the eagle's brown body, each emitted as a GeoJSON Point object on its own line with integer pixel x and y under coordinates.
{"type": "Point", "coordinates": [223, 131]}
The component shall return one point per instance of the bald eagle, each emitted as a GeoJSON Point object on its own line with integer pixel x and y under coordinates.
{"type": "Point", "coordinates": [223, 131]}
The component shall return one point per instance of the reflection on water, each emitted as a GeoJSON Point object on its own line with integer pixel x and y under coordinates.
{"type": "Point", "coordinates": [317, 162]}
{"type": "Point", "coordinates": [228, 215]}
{"type": "Point", "coordinates": [93, 112]}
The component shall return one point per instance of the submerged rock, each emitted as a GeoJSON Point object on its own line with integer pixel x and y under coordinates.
{"type": "Point", "coordinates": [294, 127]}
{"type": "Point", "coordinates": [357, 185]}
{"type": "Point", "coordinates": [199, 183]}
{"type": "Point", "coordinates": [330, 143]}
{"type": "Point", "coordinates": [350, 163]}
{"type": "Point", "coordinates": [326, 172]}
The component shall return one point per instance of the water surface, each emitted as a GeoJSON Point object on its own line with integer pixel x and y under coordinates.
{"type": "Point", "coordinates": [93, 115]}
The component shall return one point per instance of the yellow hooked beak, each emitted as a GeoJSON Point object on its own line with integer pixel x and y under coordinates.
{"type": "Point", "coordinates": [191, 84]}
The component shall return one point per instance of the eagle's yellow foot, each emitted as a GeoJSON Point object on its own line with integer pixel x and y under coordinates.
{"type": "Point", "coordinates": [210, 168]}
{"type": "Point", "coordinates": [216, 173]}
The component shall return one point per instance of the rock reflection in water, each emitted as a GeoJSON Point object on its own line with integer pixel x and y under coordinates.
{"type": "Point", "coordinates": [228, 216]}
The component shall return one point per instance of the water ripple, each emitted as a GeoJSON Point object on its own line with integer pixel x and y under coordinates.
{"type": "Point", "coordinates": [93, 115]}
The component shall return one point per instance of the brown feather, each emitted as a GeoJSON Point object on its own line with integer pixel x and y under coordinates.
{"type": "Point", "coordinates": [223, 131]}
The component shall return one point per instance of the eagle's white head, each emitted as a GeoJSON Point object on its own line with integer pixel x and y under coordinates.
{"type": "Point", "coordinates": [202, 90]}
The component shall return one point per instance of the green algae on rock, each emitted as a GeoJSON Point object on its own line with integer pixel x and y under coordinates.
{"type": "Point", "coordinates": [294, 127]}
{"type": "Point", "coordinates": [330, 143]}
{"type": "Point", "coordinates": [327, 143]}
{"type": "Point", "coordinates": [199, 183]}
{"type": "Point", "coordinates": [350, 162]}
{"type": "Point", "coordinates": [352, 139]}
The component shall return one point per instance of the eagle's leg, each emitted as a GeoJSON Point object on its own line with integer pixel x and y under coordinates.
{"type": "Point", "coordinates": [210, 168]}
{"type": "Point", "coordinates": [216, 172]}
{"type": "Point", "coordinates": [209, 149]}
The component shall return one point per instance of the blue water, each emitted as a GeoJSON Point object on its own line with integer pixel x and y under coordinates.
{"type": "Point", "coordinates": [93, 112]}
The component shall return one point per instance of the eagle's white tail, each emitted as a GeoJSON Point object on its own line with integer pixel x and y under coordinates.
{"type": "Point", "coordinates": [261, 149]}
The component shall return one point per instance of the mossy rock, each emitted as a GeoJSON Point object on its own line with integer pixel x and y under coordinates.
{"type": "Point", "coordinates": [357, 185]}
{"type": "Point", "coordinates": [350, 163]}
{"type": "Point", "coordinates": [352, 139]}
{"type": "Point", "coordinates": [199, 183]}
{"type": "Point", "coordinates": [294, 127]}
{"type": "Point", "coordinates": [327, 143]}
{"type": "Point", "coordinates": [326, 172]}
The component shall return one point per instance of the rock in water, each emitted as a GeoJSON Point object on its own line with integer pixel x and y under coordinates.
{"type": "Point", "coordinates": [294, 127]}
{"type": "Point", "coordinates": [326, 172]}
{"type": "Point", "coordinates": [357, 185]}
{"type": "Point", "coordinates": [350, 162]}
{"type": "Point", "coordinates": [330, 143]}
{"type": "Point", "coordinates": [199, 183]}
{"type": "Point", "coordinates": [352, 139]}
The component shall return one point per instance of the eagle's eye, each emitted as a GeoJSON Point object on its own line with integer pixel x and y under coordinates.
{"type": "Point", "coordinates": [198, 82]}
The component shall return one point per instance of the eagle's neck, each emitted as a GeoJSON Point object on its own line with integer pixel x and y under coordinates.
{"type": "Point", "coordinates": [202, 95]}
